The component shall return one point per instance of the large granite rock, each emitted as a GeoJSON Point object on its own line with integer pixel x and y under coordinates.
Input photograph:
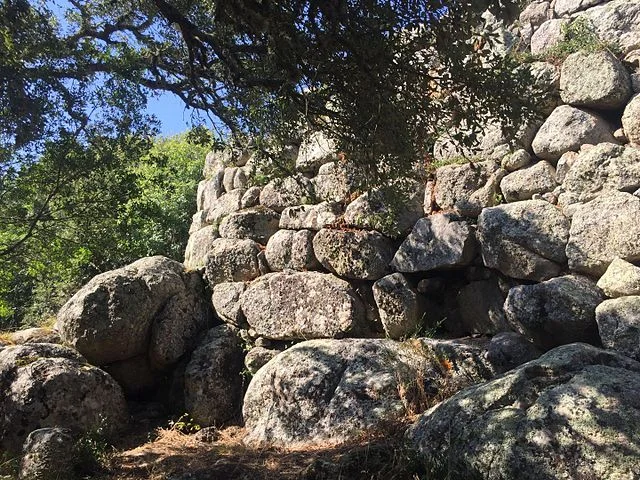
{"type": "Point", "coordinates": [302, 305]}
{"type": "Point", "coordinates": [256, 223]}
{"type": "Point", "coordinates": [619, 325]}
{"type": "Point", "coordinates": [566, 129]}
{"type": "Point", "coordinates": [555, 312]}
{"type": "Point", "coordinates": [226, 204]}
{"type": "Point", "coordinates": [621, 279]}
{"type": "Point", "coordinates": [461, 361]}
{"type": "Point", "coordinates": [286, 192]}
{"type": "Point", "coordinates": [600, 169]}
{"type": "Point", "coordinates": [631, 120]}
{"type": "Point", "coordinates": [516, 160]}
{"type": "Point", "coordinates": [400, 306]}
{"type": "Point", "coordinates": [533, 15]}
{"type": "Point", "coordinates": [391, 213]}
{"type": "Point", "coordinates": [234, 178]}
{"type": "Point", "coordinates": [568, 7]}
{"type": "Point", "coordinates": [48, 454]}
{"type": "Point", "coordinates": [595, 80]}
{"type": "Point", "coordinates": [199, 244]}
{"type": "Point", "coordinates": [311, 217]}
{"type": "Point", "coordinates": [46, 385]}
{"type": "Point", "coordinates": [541, 421]}
{"type": "Point", "coordinates": [438, 241]}
{"type": "Point", "coordinates": [226, 302]}
{"type": "Point", "coordinates": [213, 383]}
{"type": "Point", "coordinates": [209, 191]}
{"type": "Point", "coordinates": [508, 350]}
{"type": "Point", "coordinates": [603, 229]}
{"type": "Point", "coordinates": [331, 391]}
{"type": "Point", "coordinates": [291, 249]}
{"type": "Point", "coordinates": [525, 183]}
{"type": "Point", "coordinates": [617, 22]}
{"type": "Point", "coordinates": [524, 240]}
{"type": "Point", "coordinates": [336, 181]}
{"type": "Point", "coordinates": [354, 254]}
{"type": "Point", "coordinates": [35, 335]}
{"type": "Point", "coordinates": [468, 188]}
{"type": "Point", "coordinates": [258, 357]}
{"type": "Point", "coordinates": [151, 305]}
{"type": "Point", "coordinates": [548, 35]}
{"type": "Point", "coordinates": [231, 260]}
{"type": "Point", "coordinates": [316, 150]}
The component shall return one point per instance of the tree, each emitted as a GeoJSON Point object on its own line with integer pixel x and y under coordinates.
{"type": "Point", "coordinates": [125, 201]}
{"type": "Point", "coordinates": [371, 71]}
{"type": "Point", "coordinates": [384, 77]}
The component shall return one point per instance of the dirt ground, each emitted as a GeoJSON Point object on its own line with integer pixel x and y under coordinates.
{"type": "Point", "coordinates": [168, 454]}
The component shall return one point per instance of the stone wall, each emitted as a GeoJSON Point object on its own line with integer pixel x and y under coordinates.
{"type": "Point", "coordinates": [352, 310]}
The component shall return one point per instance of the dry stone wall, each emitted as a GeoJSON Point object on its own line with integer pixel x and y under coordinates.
{"type": "Point", "coordinates": [531, 247]}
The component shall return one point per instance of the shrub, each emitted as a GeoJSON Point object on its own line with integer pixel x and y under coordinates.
{"type": "Point", "coordinates": [578, 35]}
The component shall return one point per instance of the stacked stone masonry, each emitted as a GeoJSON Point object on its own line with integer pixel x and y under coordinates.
{"type": "Point", "coordinates": [531, 247]}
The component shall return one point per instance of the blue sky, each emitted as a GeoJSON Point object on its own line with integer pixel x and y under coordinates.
{"type": "Point", "coordinates": [171, 112]}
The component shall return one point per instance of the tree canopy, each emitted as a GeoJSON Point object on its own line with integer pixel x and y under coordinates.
{"type": "Point", "coordinates": [383, 77]}
{"type": "Point", "coordinates": [372, 71]}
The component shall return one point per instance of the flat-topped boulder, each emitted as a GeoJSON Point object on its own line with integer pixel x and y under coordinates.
{"type": "Point", "coordinates": [469, 187]}
{"type": "Point", "coordinates": [556, 312]}
{"type": "Point", "coordinates": [621, 279]}
{"type": "Point", "coordinates": [603, 168]}
{"type": "Point", "coordinates": [281, 193]}
{"type": "Point", "coordinates": [619, 325]}
{"type": "Point", "coordinates": [291, 249]}
{"type": "Point", "coordinates": [354, 254]}
{"type": "Point", "coordinates": [617, 22]}
{"type": "Point", "coordinates": [438, 241]}
{"type": "Point", "coordinates": [524, 240]}
{"type": "Point", "coordinates": [525, 183]}
{"type": "Point", "coordinates": [400, 306]}
{"type": "Point", "coordinates": [631, 120]}
{"type": "Point", "coordinates": [213, 382]}
{"type": "Point", "coordinates": [391, 213]}
{"type": "Point", "coordinates": [310, 217]}
{"type": "Point", "coordinates": [330, 391]}
{"type": "Point", "coordinates": [595, 80]}
{"type": "Point", "coordinates": [257, 223]}
{"type": "Point", "coordinates": [231, 260]}
{"type": "Point", "coordinates": [199, 244]}
{"type": "Point", "coordinates": [566, 129]}
{"type": "Point", "coordinates": [301, 305]}
{"type": "Point", "coordinates": [603, 229]}
{"type": "Point", "coordinates": [541, 420]}
{"type": "Point", "coordinates": [46, 385]}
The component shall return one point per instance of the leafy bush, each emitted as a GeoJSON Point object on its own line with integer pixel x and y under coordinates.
{"type": "Point", "coordinates": [113, 207]}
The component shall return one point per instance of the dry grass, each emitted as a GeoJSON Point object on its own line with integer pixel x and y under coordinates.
{"type": "Point", "coordinates": [173, 455]}
{"type": "Point", "coordinates": [6, 337]}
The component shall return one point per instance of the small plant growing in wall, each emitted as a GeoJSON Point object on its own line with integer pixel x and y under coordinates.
{"type": "Point", "coordinates": [577, 35]}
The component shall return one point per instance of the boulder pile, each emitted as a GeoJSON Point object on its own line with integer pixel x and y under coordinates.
{"type": "Point", "coordinates": [354, 310]}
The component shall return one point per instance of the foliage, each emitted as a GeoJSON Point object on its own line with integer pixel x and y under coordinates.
{"type": "Point", "coordinates": [93, 449]}
{"type": "Point", "coordinates": [577, 35]}
{"type": "Point", "coordinates": [433, 165]}
{"type": "Point", "coordinates": [185, 424]}
{"type": "Point", "coordinates": [383, 78]}
{"type": "Point", "coordinates": [379, 75]}
{"type": "Point", "coordinates": [119, 200]}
